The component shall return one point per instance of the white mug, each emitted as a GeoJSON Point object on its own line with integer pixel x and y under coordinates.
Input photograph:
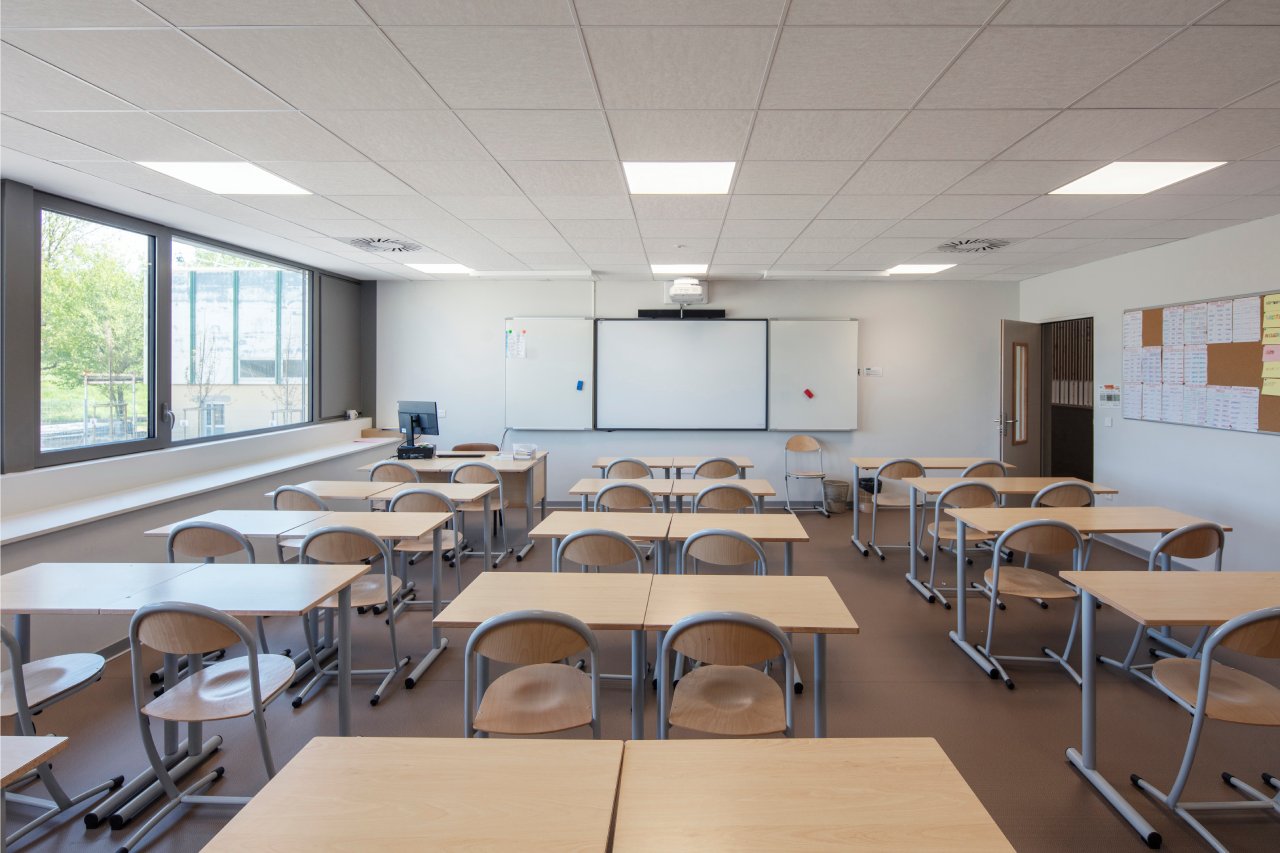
{"type": "Point", "coordinates": [352, 414]}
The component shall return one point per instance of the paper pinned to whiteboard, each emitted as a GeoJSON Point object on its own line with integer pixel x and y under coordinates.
{"type": "Point", "coordinates": [1131, 330]}
{"type": "Point", "coordinates": [1246, 319]}
{"type": "Point", "coordinates": [1131, 400]}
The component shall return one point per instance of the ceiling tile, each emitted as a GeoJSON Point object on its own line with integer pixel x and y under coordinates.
{"type": "Point", "coordinates": [915, 177]}
{"type": "Point", "coordinates": [1099, 13]}
{"type": "Point", "coordinates": [819, 134]}
{"type": "Point", "coordinates": [1010, 67]}
{"type": "Point", "coordinates": [1161, 207]}
{"type": "Point", "coordinates": [814, 177]}
{"type": "Point", "coordinates": [611, 259]}
{"type": "Point", "coordinates": [137, 177]}
{"type": "Point", "coordinates": [80, 13]}
{"type": "Point", "coordinates": [20, 136]}
{"type": "Point", "coordinates": [617, 228]}
{"type": "Point", "coordinates": [697, 228]}
{"type": "Point", "coordinates": [1054, 244]}
{"type": "Point", "coordinates": [1099, 229]}
{"type": "Point", "coordinates": [487, 206]}
{"type": "Point", "coordinates": [809, 260]}
{"type": "Point", "coordinates": [680, 206]}
{"type": "Point", "coordinates": [787, 229]}
{"type": "Point", "coordinates": [1225, 135]}
{"type": "Point", "coordinates": [383, 207]}
{"type": "Point", "coordinates": [1201, 67]}
{"type": "Point", "coordinates": [236, 13]}
{"type": "Point", "coordinates": [508, 228]}
{"type": "Point", "coordinates": [1014, 229]}
{"type": "Point", "coordinates": [958, 134]}
{"type": "Point", "coordinates": [266, 135]}
{"type": "Point", "coordinates": [752, 244]}
{"type": "Point", "coordinates": [1123, 245]}
{"type": "Point", "coordinates": [130, 135]}
{"type": "Point", "coordinates": [936, 229]}
{"type": "Point", "coordinates": [435, 229]}
{"type": "Point", "coordinates": [859, 67]}
{"type": "Point", "coordinates": [360, 69]}
{"type": "Point", "coordinates": [295, 207]}
{"type": "Point", "coordinates": [748, 272]}
{"type": "Point", "coordinates": [1269, 154]}
{"type": "Point", "coordinates": [679, 12]}
{"type": "Point", "coordinates": [469, 12]}
{"type": "Point", "coordinates": [872, 206]}
{"type": "Point", "coordinates": [678, 135]}
{"type": "Point", "coordinates": [746, 258]}
{"type": "Point", "coordinates": [869, 261]}
{"type": "Point", "coordinates": [472, 176]}
{"type": "Point", "coordinates": [542, 134]}
{"type": "Point", "coordinates": [349, 229]}
{"type": "Point", "coordinates": [672, 67]}
{"type": "Point", "coordinates": [828, 244]}
{"type": "Point", "coordinates": [551, 260]}
{"type": "Point", "coordinates": [32, 84]}
{"type": "Point", "coordinates": [165, 69]}
{"type": "Point", "coordinates": [583, 206]}
{"type": "Point", "coordinates": [1245, 12]}
{"type": "Point", "coordinates": [1034, 177]}
{"type": "Point", "coordinates": [399, 134]}
{"type": "Point", "coordinates": [1065, 206]}
{"type": "Point", "coordinates": [1177, 229]}
{"type": "Point", "coordinates": [501, 67]}
{"type": "Point", "coordinates": [969, 206]}
{"type": "Point", "coordinates": [899, 244]}
{"type": "Point", "coordinates": [822, 229]}
{"type": "Point", "coordinates": [606, 245]}
{"type": "Point", "coordinates": [1249, 207]}
{"type": "Point", "coordinates": [1244, 178]}
{"type": "Point", "coordinates": [1264, 99]}
{"type": "Point", "coordinates": [341, 178]}
{"type": "Point", "coordinates": [666, 245]}
{"type": "Point", "coordinates": [516, 245]}
{"type": "Point", "coordinates": [1098, 134]}
{"type": "Point", "coordinates": [584, 177]}
{"type": "Point", "coordinates": [775, 206]}
{"type": "Point", "coordinates": [890, 12]}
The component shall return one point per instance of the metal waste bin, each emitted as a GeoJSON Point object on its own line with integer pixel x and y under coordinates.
{"type": "Point", "coordinates": [836, 495]}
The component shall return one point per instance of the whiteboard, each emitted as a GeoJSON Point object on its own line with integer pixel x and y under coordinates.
{"type": "Point", "coordinates": [546, 359]}
{"type": "Point", "coordinates": [681, 374]}
{"type": "Point", "coordinates": [818, 355]}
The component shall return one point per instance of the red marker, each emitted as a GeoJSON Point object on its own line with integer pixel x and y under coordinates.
{"type": "Point", "coordinates": [808, 393]}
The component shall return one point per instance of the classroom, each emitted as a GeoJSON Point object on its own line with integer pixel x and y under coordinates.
{"type": "Point", "coordinates": [779, 425]}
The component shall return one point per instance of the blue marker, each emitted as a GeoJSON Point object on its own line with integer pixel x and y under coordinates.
{"type": "Point", "coordinates": [579, 384]}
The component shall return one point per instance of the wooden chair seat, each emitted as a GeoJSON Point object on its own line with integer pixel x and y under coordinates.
{"type": "Point", "coordinates": [49, 678]}
{"type": "Point", "coordinates": [948, 531]}
{"type": "Point", "coordinates": [367, 591]}
{"type": "Point", "coordinates": [222, 691]}
{"type": "Point", "coordinates": [1234, 696]}
{"type": "Point", "coordinates": [805, 474]}
{"type": "Point", "coordinates": [893, 501]}
{"type": "Point", "coordinates": [477, 505]}
{"type": "Point", "coordinates": [449, 539]}
{"type": "Point", "coordinates": [1029, 583]}
{"type": "Point", "coordinates": [536, 699]}
{"type": "Point", "coordinates": [729, 700]}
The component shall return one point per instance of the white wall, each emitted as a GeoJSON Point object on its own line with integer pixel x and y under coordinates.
{"type": "Point", "coordinates": [1229, 477]}
{"type": "Point", "coordinates": [936, 341]}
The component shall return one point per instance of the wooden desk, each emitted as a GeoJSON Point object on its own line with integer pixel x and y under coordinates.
{"type": "Point", "coordinates": [20, 754]}
{"type": "Point", "coordinates": [679, 463]}
{"type": "Point", "coordinates": [1086, 519]}
{"type": "Point", "coordinates": [641, 526]}
{"type": "Point", "coordinates": [663, 462]}
{"type": "Point", "coordinates": [459, 493]}
{"type": "Point", "coordinates": [681, 489]}
{"type": "Point", "coordinates": [589, 487]}
{"type": "Point", "coordinates": [444, 793]}
{"type": "Point", "coordinates": [606, 602]}
{"type": "Point", "coordinates": [781, 527]}
{"type": "Point", "coordinates": [355, 490]}
{"type": "Point", "coordinates": [1154, 598]}
{"type": "Point", "coordinates": [269, 523]}
{"type": "Point", "coordinates": [804, 605]}
{"type": "Point", "coordinates": [848, 794]}
{"type": "Point", "coordinates": [933, 486]}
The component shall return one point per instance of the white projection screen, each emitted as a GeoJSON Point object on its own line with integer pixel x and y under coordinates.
{"type": "Point", "coordinates": [682, 374]}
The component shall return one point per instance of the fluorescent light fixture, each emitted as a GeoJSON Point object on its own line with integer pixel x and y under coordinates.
{"type": "Point", "coordinates": [679, 178]}
{"type": "Point", "coordinates": [442, 269]}
{"type": "Point", "coordinates": [918, 269]}
{"type": "Point", "coordinates": [1133, 178]}
{"type": "Point", "coordinates": [678, 269]}
{"type": "Point", "coordinates": [228, 178]}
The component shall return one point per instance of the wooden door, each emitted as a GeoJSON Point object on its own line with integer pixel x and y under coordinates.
{"type": "Point", "coordinates": [1018, 420]}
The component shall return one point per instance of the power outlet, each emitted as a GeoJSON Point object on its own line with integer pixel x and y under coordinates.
{"type": "Point", "coordinates": [1106, 422]}
{"type": "Point", "coordinates": [442, 412]}
{"type": "Point", "coordinates": [1108, 498]}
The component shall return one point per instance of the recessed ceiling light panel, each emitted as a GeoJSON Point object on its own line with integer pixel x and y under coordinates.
{"type": "Point", "coordinates": [679, 269]}
{"type": "Point", "coordinates": [1133, 178]}
{"type": "Point", "coordinates": [228, 178]}
{"type": "Point", "coordinates": [918, 269]}
{"type": "Point", "coordinates": [679, 178]}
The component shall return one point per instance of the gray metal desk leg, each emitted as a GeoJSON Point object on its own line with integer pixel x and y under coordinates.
{"type": "Point", "coordinates": [786, 558]}
{"type": "Point", "coordinates": [760, 502]}
{"type": "Point", "coordinates": [1085, 759]}
{"type": "Point", "coordinates": [742, 473]}
{"type": "Point", "coordinates": [660, 556]}
{"type": "Point", "coordinates": [584, 502]}
{"type": "Point", "coordinates": [488, 538]}
{"type": "Point", "coordinates": [666, 503]}
{"type": "Point", "coordinates": [555, 549]}
{"type": "Point", "coordinates": [637, 685]}
{"type": "Point", "coordinates": [528, 517]}
{"type": "Point", "coordinates": [819, 685]}
{"type": "Point", "coordinates": [22, 631]}
{"type": "Point", "coordinates": [438, 643]}
{"type": "Point", "coordinates": [958, 636]}
{"type": "Point", "coordinates": [856, 538]}
{"type": "Point", "coordinates": [344, 660]}
{"type": "Point", "coordinates": [913, 544]}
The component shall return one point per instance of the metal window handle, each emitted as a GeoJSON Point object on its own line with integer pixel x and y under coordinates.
{"type": "Point", "coordinates": [168, 414]}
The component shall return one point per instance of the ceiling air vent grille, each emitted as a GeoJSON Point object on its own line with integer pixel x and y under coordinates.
{"type": "Point", "coordinates": [385, 244]}
{"type": "Point", "coordinates": [973, 246]}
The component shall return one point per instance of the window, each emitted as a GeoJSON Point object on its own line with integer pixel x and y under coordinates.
{"type": "Point", "coordinates": [96, 284]}
{"type": "Point", "coordinates": [240, 344]}
{"type": "Point", "coordinates": [1020, 386]}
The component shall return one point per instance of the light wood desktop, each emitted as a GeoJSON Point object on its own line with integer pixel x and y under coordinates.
{"type": "Point", "coordinates": [673, 464]}
{"type": "Point", "coordinates": [269, 523]}
{"type": "Point", "coordinates": [679, 464]}
{"type": "Point", "coordinates": [804, 605]}
{"type": "Point", "coordinates": [244, 589]}
{"type": "Point", "coordinates": [641, 526]}
{"type": "Point", "coordinates": [663, 462]}
{"type": "Point", "coordinates": [589, 487]}
{"type": "Point", "coordinates": [1154, 599]}
{"type": "Point", "coordinates": [20, 754]}
{"type": "Point", "coordinates": [781, 527]}
{"type": "Point", "coordinates": [858, 794]}
{"type": "Point", "coordinates": [445, 793]}
{"type": "Point", "coordinates": [391, 526]}
{"type": "Point", "coordinates": [47, 589]}
{"type": "Point", "coordinates": [356, 490]}
{"type": "Point", "coordinates": [689, 488]}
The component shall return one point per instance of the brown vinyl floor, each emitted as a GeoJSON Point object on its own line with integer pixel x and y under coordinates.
{"type": "Point", "coordinates": [900, 677]}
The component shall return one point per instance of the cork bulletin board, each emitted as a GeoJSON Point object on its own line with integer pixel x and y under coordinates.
{"type": "Point", "coordinates": [1213, 363]}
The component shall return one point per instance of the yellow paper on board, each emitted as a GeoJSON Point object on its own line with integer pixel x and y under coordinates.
{"type": "Point", "coordinates": [1271, 370]}
{"type": "Point", "coordinates": [1271, 387]}
{"type": "Point", "coordinates": [1271, 335]}
{"type": "Point", "coordinates": [1271, 311]}
{"type": "Point", "coordinates": [1271, 302]}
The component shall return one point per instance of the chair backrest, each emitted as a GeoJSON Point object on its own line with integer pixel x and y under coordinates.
{"type": "Point", "coordinates": [722, 548]}
{"type": "Point", "coordinates": [1256, 633]}
{"type": "Point", "coordinates": [803, 444]}
{"type": "Point", "coordinates": [422, 500]}
{"type": "Point", "coordinates": [1040, 536]}
{"type": "Point", "coordinates": [178, 628]}
{"type": "Point", "coordinates": [207, 540]}
{"type": "Point", "coordinates": [625, 496]}
{"type": "Point", "coordinates": [342, 544]}
{"type": "Point", "coordinates": [1202, 539]}
{"type": "Point", "coordinates": [628, 468]}
{"type": "Point", "coordinates": [475, 472]}
{"type": "Point", "coordinates": [524, 637]}
{"type": "Point", "coordinates": [986, 468]}
{"type": "Point", "coordinates": [968, 496]}
{"type": "Point", "coordinates": [393, 471]}
{"type": "Point", "coordinates": [1066, 493]}
{"type": "Point", "coordinates": [717, 468]}
{"type": "Point", "coordinates": [296, 497]}
{"type": "Point", "coordinates": [726, 497]}
{"type": "Point", "coordinates": [596, 547]}
{"type": "Point", "coordinates": [476, 445]}
{"type": "Point", "coordinates": [900, 469]}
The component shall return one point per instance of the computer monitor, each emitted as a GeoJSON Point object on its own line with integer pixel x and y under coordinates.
{"type": "Point", "coordinates": [417, 418]}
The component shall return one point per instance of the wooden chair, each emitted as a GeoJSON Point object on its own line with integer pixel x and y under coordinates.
{"type": "Point", "coordinates": [1040, 536]}
{"type": "Point", "coordinates": [26, 689]}
{"type": "Point", "coordinates": [1194, 541]}
{"type": "Point", "coordinates": [542, 695]}
{"type": "Point", "coordinates": [894, 469]}
{"type": "Point", "coordinates": [391, 471]}
{"type": "Point", "coordinates": [627, 497]}
{"type": "Point", "coordinates": [477, 445]}
{"type": "Point", "coordinates": [1211, 690]}
{"type": "Point", "coordinates": [483, 472]}
{"type": "Point", "coordinates": [294, 498]}
{"type": "Point", "coordinates": [804, 446]}
{"type": "Point", "coordinates": [628, 468]}
{"type": "Point", "coordinates": [341, 544]}
{"type": "Point", "coordinates": [725, 696]}
{"type": "Point", "coordinates": [986, 468]}
{"type": "Point", "coordinates": [719, 547]}
{"type": "Point", "coordinates": [411, 550]}
{"type": "Point", "coordinates": [717, 468]}
{"type": "Point", "coordinates": [228, 690]}
{"type": "Point", "coordinates": [725, 497]}
{"type": "Point", "coordinates": [595, 547]}
{"type": "Point", "coordinates": [961, 495]}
